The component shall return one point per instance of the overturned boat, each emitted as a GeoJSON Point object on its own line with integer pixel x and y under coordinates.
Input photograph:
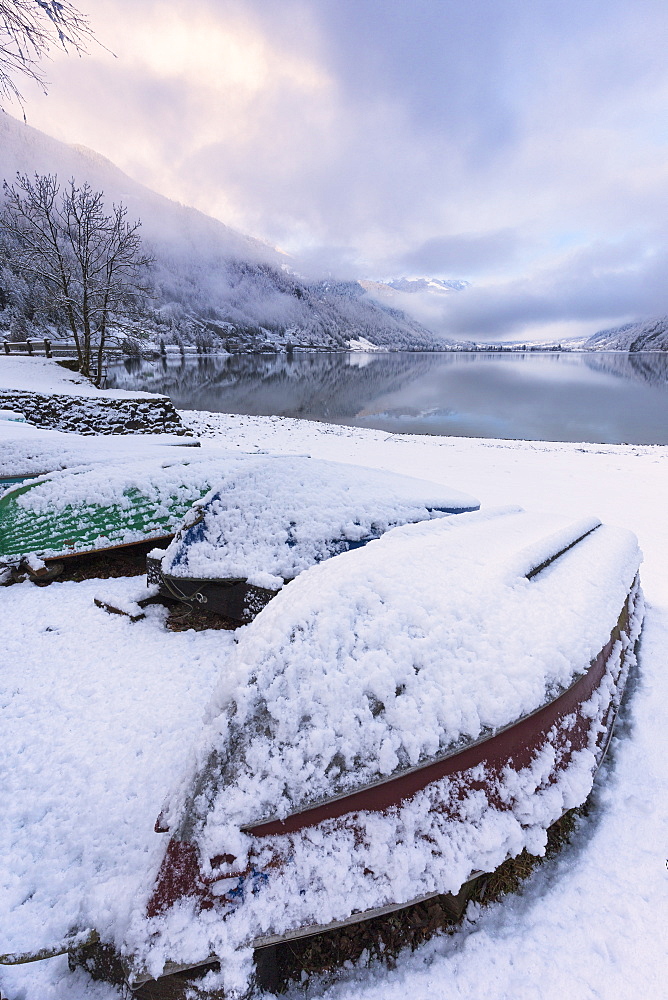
{"type": "Point", "coordinates": [108, 505]}
{"type": "Point", "coordinates": [400, 719]}
{"type": "Point", "coordinates": [274, 517]}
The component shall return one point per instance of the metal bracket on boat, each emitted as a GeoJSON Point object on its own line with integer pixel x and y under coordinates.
{"type": "Point", "coordinates": [174, 591]}
{"type": "Point", "coordinates": [562, 550]}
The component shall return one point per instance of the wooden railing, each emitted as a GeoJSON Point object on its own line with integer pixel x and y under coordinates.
{"type": "Point", "coordinates": [52, 349]}
{"type": "Point", "coordinates": [36, 347]}
{"type": "Point", "coordinates": [66, 350]}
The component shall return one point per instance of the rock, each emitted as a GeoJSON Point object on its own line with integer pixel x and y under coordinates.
{"type": "Point", "coordinates": [91, 415]}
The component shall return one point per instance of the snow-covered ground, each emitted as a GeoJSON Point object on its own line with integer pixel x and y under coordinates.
{"type": "Point", "coordinates": [46, 375]}
{"type": "Point", "coordinates": [98, 715]}
{"type": "Point", "coordinates": [26, 450]}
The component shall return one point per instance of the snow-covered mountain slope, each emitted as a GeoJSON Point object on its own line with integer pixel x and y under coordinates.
{"type": "Point", "coordinates": [165, 223]}
{"type": "Point", "coordinates": [211, 283]}
{"type": "Point", "coordinates": [429, 284]}
{"type": "Point", "coordinates": [645, 335]}
{"type": "Point", "coordinates": [424, 299]}
{"type": "Point", "coordinates": [392, 291]}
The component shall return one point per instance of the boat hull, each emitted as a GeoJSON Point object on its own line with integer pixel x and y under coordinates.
{"type": "Point", "coordinates": [280, 516]}
{"type": "Point", "coordinates": [235, 599]}
{"type": "Point", "coordinates": [580, 718]}
{"type": "Point", "coordinates": [103, 521]}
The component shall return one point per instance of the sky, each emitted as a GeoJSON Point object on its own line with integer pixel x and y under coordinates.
{"type": "Point", "coordinates": [519, 145]}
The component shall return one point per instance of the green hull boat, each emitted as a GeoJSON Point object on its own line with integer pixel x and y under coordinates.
{"type": "Point", "coordinates": [7, 481]}
{"type": "Point", "coordinates": [86, 510]}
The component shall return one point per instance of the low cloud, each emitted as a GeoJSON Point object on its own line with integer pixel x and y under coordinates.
{"type": "Point", "coordinates": [478, 140]}
{"type": "Point", "coordinates": [465, 254]}
{"type": "Point", "coordinates": [586, 291]}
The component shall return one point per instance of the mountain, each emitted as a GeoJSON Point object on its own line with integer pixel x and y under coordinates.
{"type": "Point", "coordinates": [645, 335]}
{"type": "Point", "coordinates": [394, 291]}
{"type": "Point", "coordinates": [211, 285]}
{"type": "Point", "coordinates": [426, 300]}
{"type": "Point", "coordinates": [445, 285]}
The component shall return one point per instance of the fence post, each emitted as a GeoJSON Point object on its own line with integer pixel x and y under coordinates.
{"type": "Point", "coordinates": [7, 347]}
{"type": "Point", "coordinates": [29, 346]}
{"type": "Point", "coordinates": [47, 347]}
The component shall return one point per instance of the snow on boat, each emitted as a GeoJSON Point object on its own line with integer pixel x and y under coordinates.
{"type": "Point", "coordinates": [275, 517]}
{"type": "Point", "coordinates": [105, 506]}
{"type": "Point", "coordinates": [400, 718]}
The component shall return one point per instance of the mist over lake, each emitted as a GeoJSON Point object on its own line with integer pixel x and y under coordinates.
{"type": "Point", "coordinates": [611, 398]}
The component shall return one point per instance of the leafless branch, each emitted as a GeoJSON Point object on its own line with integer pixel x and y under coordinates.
{"type": "Point", "coordinates": [29, 30]}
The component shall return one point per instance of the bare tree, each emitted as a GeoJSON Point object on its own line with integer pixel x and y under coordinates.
{"type": "Point", "coordinates": [92, 263]}
{"type": "Point", "coordinates": [28, 31]}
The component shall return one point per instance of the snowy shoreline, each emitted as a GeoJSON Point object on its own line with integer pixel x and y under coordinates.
{"type": "Point", "coordinates": [89, 747]}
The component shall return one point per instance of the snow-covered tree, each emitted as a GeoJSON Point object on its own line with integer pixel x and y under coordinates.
{"type": "Point", "coordinates": [91, 262]}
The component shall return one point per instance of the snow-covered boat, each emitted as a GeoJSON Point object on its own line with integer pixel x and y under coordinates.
{"type": "Point", "coordinates": [104, 506]}
{"type": "Point", "coordinates": [399, 719]}
{"type": "Point", "coordinates": [275, 517]}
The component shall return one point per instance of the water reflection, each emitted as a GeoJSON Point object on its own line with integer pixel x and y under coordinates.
{"type": "Point", "coordinates": [646, 366]}
{"type": "Point", "coordinates": [564, 397]}
{"type": "Point", "coordinates": [307, 384]}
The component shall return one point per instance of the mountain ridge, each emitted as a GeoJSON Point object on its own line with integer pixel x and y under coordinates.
{"type": "Point", "coordinates": [211, 285]}
{"type": "Point", "coordinates": [641, 335]}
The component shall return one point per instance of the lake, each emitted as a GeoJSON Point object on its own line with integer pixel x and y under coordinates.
{"type": "Point", "coordinates": [610, 398]}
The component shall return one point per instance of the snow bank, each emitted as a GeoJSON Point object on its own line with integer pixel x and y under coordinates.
{"type": "Point", "coordinates": [274, 517]}
{"type": "Point", "coordinates": [96, 710]}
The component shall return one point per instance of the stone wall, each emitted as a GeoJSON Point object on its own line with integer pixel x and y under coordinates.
{"type": "Point", "coordinates": [93, 415]}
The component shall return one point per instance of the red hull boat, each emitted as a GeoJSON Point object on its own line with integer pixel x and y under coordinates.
{"type": "Point", "coordinates": [415, 712]}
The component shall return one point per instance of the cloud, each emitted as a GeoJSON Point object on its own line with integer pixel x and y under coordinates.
{"type": "Point", "coordinates": [478, 140]}
{"type": "Point", "coordinates": [464, 254]}
{"type": "Point", "coordinates": [585, 291]}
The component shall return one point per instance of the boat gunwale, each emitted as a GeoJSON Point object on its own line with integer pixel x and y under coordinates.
{"type": "Point", "coordinates": [75, 553]}
{"type": "Point", "coordinates": [569, 699]}
{"type": "Point", "coordinates": [139, 977]}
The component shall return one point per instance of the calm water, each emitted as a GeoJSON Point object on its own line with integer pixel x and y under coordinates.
{"type": "Point", "coordinates": [611, 398]}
